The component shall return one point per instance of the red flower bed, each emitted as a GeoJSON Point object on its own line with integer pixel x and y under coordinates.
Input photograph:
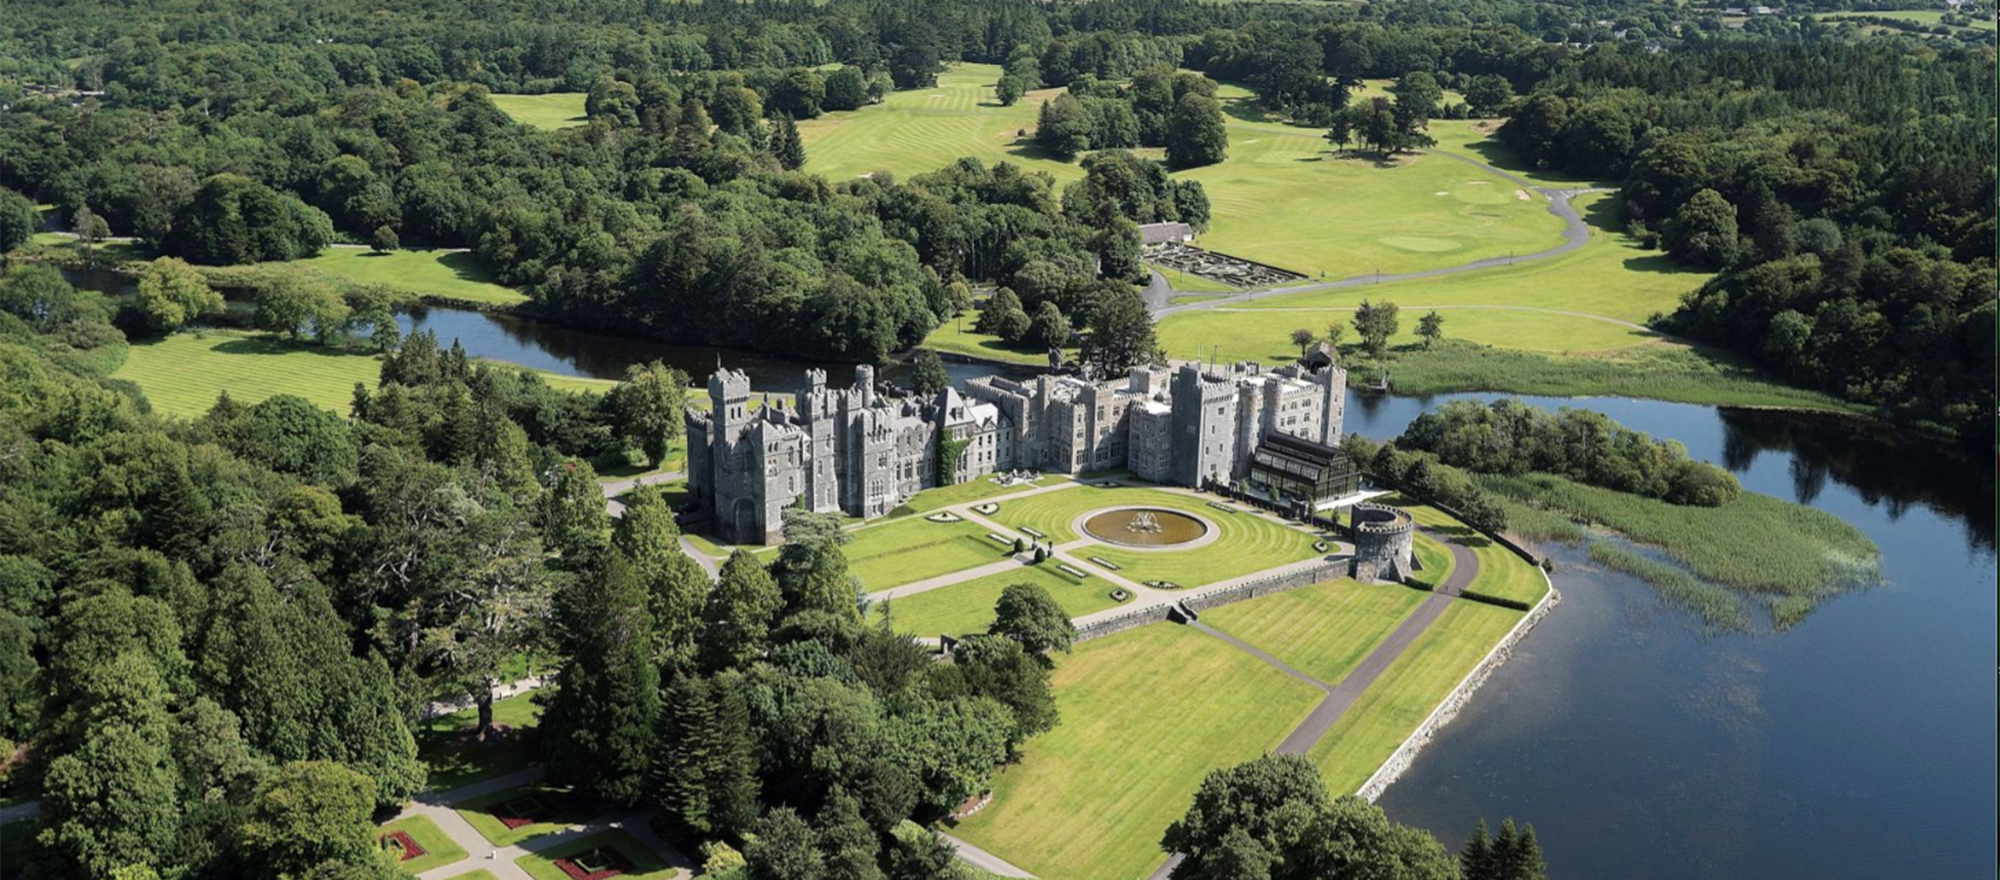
{"type": "Point", "coordinates": [597, 864]}
{"type": "Point", "coordinates": [406, 847]}
{"type": "Point", "coordinates": [526, 810]}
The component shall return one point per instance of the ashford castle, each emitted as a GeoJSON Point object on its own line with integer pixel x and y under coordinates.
{"type": "Point", "coordinates": [864, 451]}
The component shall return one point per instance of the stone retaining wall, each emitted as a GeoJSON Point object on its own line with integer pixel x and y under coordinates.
{"type": "Point", "coordinates": [1406, 754]}
{"type": "Point", "coordinates": [1101, 628]}
{"type": "Point", "coordinates": [1276, 583]}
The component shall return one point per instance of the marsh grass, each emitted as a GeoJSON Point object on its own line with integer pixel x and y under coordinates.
{"type": "Point", "coordinates": [1786, 557]}
{"type": "Point", "coordinates": [1718, 607]}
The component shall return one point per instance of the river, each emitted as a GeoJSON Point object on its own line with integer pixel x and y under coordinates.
{"type": "Point", "coordinates": [1858, 744]}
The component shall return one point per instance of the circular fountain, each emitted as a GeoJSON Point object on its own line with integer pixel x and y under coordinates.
{"type": "Point", "coordinates": [1145, 527]}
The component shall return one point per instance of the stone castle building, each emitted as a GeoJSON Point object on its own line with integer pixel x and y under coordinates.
{"type": "Point", "coordinates": [864, 451]}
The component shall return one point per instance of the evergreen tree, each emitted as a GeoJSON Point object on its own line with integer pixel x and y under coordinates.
{"type": "Point", "coordinates": [1063, 126]}
{"type": "Point", "coordinates": [675, 585]}
{"type": "Point", "coordinates": [812, 572]}
{"type": "Point", "coordinates": [784, 847]}
{"type": "Point", "coordinates": [598, 731]}
{"type": "Point", "coordinates": [927, 374]}
{"type": "Point", "coordinates": [572, 513]}
{"type": "Point", "coordinates": [308, 813]}
{"type": "Point", "coordinates": [1475, 862]}
{"type": "Point", "coordinates": [737, 618]}
{"type": "Point", "coordinates": [1049, 328]}
{"type": "Point", "coordinates": [787, 145]}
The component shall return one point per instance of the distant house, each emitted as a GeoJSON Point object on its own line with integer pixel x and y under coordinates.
{"type": "Point", "coordinates": [1162, 233]}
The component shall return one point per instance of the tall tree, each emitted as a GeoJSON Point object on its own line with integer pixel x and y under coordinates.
{"type": "Point", "coordinates": [927, 373]}
{"type": "Point", "coordinates": [309, 813]}
{"type": "Point", "coordinates": [597, 733]}
{"type": "Point", "coordinates": [491, 608]}
{"type": "Point", "coordinates": [787, 145]}
{"type": "Point", "coordinates": [675, 585]}
{"type": "Point", "coordinates": [737, 618]}
{"type": "Point", "coordinates": [1376, 323]}
{"type": "Point", "coordinates": [574, 523]}
{"type": "Point", "coordinates": [1031, 617]}
{"type": "Point", "coordinates": [1121, 334]}
{"type": "Point", "coordinates": [1196, 133]}
{"type": "Point", "coordinates": [812, 572]}
{"type": "Point", "coordinates": [112, 799]}
{"type": "Point", "coordinates": [18, 219]}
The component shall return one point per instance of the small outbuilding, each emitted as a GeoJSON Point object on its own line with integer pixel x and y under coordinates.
{"type": "Point", "coordinates": [1163, 233]}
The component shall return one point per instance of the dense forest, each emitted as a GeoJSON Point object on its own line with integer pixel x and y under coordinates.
{"type": "Point", "coordinates": [1844, 186]}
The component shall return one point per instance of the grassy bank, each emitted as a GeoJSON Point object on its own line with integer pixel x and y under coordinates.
{"type": "Point", "coordinates": [957, 337]}
{"type": "Point", "coordinates": [1658, 371]}
{"type": "Point", "coordinates": [455, 275]}
{"type": "Point", "coordinates": [182, 374]}
{"type": "Point", "coordinates": [1785, 557]}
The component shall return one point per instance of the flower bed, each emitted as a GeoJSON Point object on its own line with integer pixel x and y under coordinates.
{"type": "Point", "coordinates": [1104, 562]}
{"type": "Point", "coordinates": [1031, 532]}
{"type": "Point", "coordinates": [522, 811]}
{"type": "Point", "coordinates": [1222, 507]}
{"type": "Point", "coordinates": [987, 509]}
{"type": "Point", "coordinates": [1163, 585]}
{"type": "Point", "coordinates": [943, 516]}
{"type": "Point", "coordinates": [1072, 570]}
{"type": "Point", "coordinates": [1120, 594]}
{"type": "Point", "coordinates": [596, 864]}
{"type": "Point", "coordinates": [406, 847]}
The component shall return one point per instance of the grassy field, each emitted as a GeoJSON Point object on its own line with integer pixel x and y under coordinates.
{"type": "Point", "coordinates": [646, 865]}
{"type": "Point", "coordinates": [1408, 690]}
{"type": "Point", "coordinates": [958, 337]}
{"type": "Point", "coordinates": [439, 850]}
{"type": "Point", "coordinates": [1278, 198]}
{"type": "Point", "coordinates": [1919, 16]}
{"type": "Point", "coordinates": [1786, 556]}
{"type": "Point", "coordinates": [911, 549]}
{"type": "Point", "coordinates": [453, 274]}
{"type": "Point", "coordinates": [1502, 573]}
{"type": "Point", "coordinates": [454, 761]}
{"type": "Point", "coordinates": [551, 111]}
{"type": "Point", "coordinates": [1089, 799]}
{"type": "Point", "coordinates": [968, 607]}
{"type": "Point", "coordinates": [182, 374]}
{"type": "Point", "coordinates": [1583, 301]}
{"type": "Point", "coordinates": [974, 490]}
{"type": "Point", "coordinates": [1248, 543]}
{"type": "Point", "coordinates": [1324, 630]}
{"type": "Point", "coordinates": [917, 131]}
{"type": "Point", "coordinates": [560, 811]}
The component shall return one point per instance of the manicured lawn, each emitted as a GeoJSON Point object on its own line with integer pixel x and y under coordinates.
{"type": "Point", "coordinates": [1582, 301]}
{"type": "Point", "coordinates": [558, 810]}
{"type": "Point", "coordinates": [1323, 630]}
{"type": "Point", "coordinates": [957, 337]}
{"type": "Point", "coordinates": [455, 761]}
{"type": "Point", "coordinates": [646, 865]}
{"type": "Point", "coordinates": [917, 131]}
{"type": "Point", "coordinates": [1502, 573]}
{"type": "Point", "coordinates": [182, 374]}
{"type": "Point", "coordinates": [1248, 543]}
{"type": "Point", "coordinates": [974, 490]}
{"type": "Point", "coordinates": [1145, 714]}
{"type": "Point", "coordinates": [1434, 557]}
{"type": "Point", "coordinates": [1277, 198]}
{"type": "Point", "coordinates": [968, 607]}
{"type": "Point", "coordinates": [551, 111]}
{"type": "Point", "coordinates": [1390, 710]}
{"type": "Point", "coordinates": [911, 549]}
{"type": "Point", "coordinates": [439, 850]}
{"type": "Point", "coordinates": [454, 274]}
{"type": "Point", "coordinates": [1282, 198]}
{"type": "Point", "coordinates": [481, 874]}
{"type": "Point", "coordinates": [1920, 16]}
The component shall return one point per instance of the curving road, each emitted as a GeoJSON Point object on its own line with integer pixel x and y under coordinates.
{"type": "Point", "coordinates": [1576, 233]}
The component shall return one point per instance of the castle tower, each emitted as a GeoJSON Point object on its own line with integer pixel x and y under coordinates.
{"type": "Point", "coordinates": [864, 384]}
{"type": "Point", "coordinates": [819, 419]}
{"type": "Point", "coordinates": [1204, 432]}
{"type": "Point", "coordinates": [1332, 388]}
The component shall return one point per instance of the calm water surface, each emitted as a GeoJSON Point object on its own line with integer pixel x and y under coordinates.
{"type": "Point", "coordinates": [1859, 744]}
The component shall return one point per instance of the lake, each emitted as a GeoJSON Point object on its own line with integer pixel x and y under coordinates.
{"type": "Point", "coordinates": [1858, 744]}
